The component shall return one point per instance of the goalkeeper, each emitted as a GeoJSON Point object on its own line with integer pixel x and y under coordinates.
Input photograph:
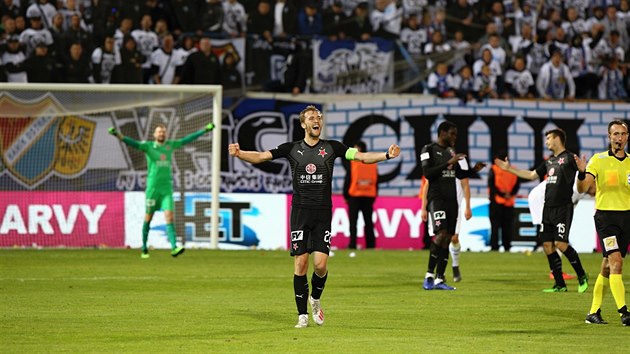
{"type": "Point", "coordinates": [159, 192]}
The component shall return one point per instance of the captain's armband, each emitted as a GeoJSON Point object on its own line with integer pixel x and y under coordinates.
{"type": "Point", "coordinates": [350, 153]}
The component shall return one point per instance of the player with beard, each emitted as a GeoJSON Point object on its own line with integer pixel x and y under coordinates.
{"type": "Point", "coordinates": [312, 161]}
{"type": "Point", "coordinates": [558, 209]}
{"type": "Point", "coordinates": [610, 172]}
{"type": "Point", "coordinates": [442, 167]}
{"type": "Point", "coordinates": [159, 192]}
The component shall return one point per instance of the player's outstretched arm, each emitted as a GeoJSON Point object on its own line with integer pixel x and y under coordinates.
{"type": "Point", "coordinates": [374, 157]}
{"type": "Point", "coordinates": [249, 156]}
{"type": "Point", "coordinates": [125, 139]}
{"type": "Point", "coordinates": [525, 174]}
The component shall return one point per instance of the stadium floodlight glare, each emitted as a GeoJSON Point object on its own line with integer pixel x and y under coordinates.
{"type": "Point", "coordinates": [75, 119]}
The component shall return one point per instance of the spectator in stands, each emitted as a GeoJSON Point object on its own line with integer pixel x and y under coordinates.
{"type": "Point", "coordinates": [611, 84]}
{"type": "Point", "coordinates": [310, 20]}
{"type": "Point", "coordinates": [559, 41]}
{"type": "Point", "coordinates": [574, 25]}
{"type": "Point", "coordinates": [20, 24]}
{"type": "Point", "coordinates": [597, 18]}
{"type": "Point", "coordinates": [41, 67]}
{"type": "Point", "coordinates": [525, 14]}
{"type": "Point", "coordinates": [485, 85]}
{"type": "Point", "coordinates": [35, 34]}
{"type": "Point", "coordinates": [212, 16]}
{"type": "Point", "coordinates": [261, 21]}
{"type": "Point", "coordinates": [104, 60]}
{"type": "Point", "coordinates": [624, 10]}
{"type": "Point", "coordinates": [359, 26]}
{"type": "Point", "coordinates": [129, 71]}
{"type": "Point", "coordinates": [235, 18]}
{"type": "Point", "coordinates": [185, 16]}
{"type": "Point", "coordinates": [285, 13]}
{"type": "Point", "coordinates": [76, 68]}
{"type": "Point", "coordinates": [335, 21]}
{"type": "Point", "coordinates": [230, 76]}
{"type": "Point", "coordinates": [146, 42]}
{"type": "Point", "coordinates": [497, 15]}
{"type": "Point", "coordinates": [491, 30]}
{"type": "Point", "coordinates": [8, 26]}
{"type": "Point", "coordinates": [44, 10]}
{"type": "Point", "coordinates": [435, 47]}
{"type": "Point", "coordinates": [202, 67]}
{"type": "Point", "coordinates": [126, 25]}
{"type": "Point", "coordinates": [612, 22]}
{"type": "Point", "coordinates": [496, 71]}
{"type": "Point", "coordinates": [614, 46]}
{"type": "Point", "coordinates": [519, 82]}
{"type": "Point", "coordinates": [413, 36]}
{"type": "Point", "coordinates": [161, 29]}
{"type": "Point", "coordinates": [9, 8]}
{"type": "Point", "coordinates": [386, 19]}
{"type": "Point", "coordinates": [464, 84]}
{"type": "Point", "coordinates": [75, 33]}
{"type": "Point", "coordinates": [460, 18]}
{"type": "Point", "coordinates": [463, 52]}
{"type": "Point", "coordinates": [554, 81]}
{"type": "Point", "coordinates": [440, 82]}
{"type": "Point", "coordinates": [158, 10]}
{"type": "Point", "coordinates": [68, 10]}
{"type": "Point", "coordinates": [522, 43]}
{"type": "Point", "coordinates": [166, 63]}
{"type": "Point", "coordinates": [499, 55]}
{"type": "Point", "coordinates": [578, 59]}
{"type": "Point", "coordinates": [13, 59]}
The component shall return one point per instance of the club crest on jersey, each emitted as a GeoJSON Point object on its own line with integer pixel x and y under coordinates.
{"type": "Point", "coordinates": [561, 161]}
{"type": "Point", "coordinates": [628, 178]}
{"type": "Point", "coordinates": [322, 152]}
{"type": "Point", "coordinates": [311, 168]}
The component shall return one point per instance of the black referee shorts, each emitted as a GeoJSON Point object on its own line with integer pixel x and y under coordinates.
{"type": "Point", "coordinates": [613, 230]}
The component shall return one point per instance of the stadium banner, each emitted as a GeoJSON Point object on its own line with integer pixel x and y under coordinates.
{"type": "Point", "coordinates": [247, 221]}
{"type": "Point", "coordinates": [346, 66]}
{"type": "Point", "coordinates": [475, 233]}
{"type": "Point", "coordinates": [397, 223]}
{"type": "Point", "coordinates": [61, 219]}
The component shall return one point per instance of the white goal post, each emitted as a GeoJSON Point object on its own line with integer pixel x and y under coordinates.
{"type": "Point", "coordinates": [71, 116]}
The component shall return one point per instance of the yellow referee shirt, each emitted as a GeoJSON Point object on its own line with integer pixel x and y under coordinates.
{"type": "Point", "coordinates": [613, 181]}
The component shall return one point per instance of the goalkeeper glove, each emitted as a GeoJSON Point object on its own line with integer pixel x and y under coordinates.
{"type": "Point", "coordinates": [112, 131]}
{"type": "Point", "coordinates": [209, 127]}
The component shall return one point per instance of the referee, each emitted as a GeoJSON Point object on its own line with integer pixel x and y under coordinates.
{"type": "Point", "coordinates": [610, 171]}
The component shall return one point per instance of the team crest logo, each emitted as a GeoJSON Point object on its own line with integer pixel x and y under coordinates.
{"type": "Point", "coordinates": [628, 178]}
{"type": "Point", "coordinates": [561, 161]}
{"type": "Point", "coordinates": [322, 152]}
{"type": "Point", "coordinates": [311, 168]}
{"type": "Point", "coordinates": [37, 142]}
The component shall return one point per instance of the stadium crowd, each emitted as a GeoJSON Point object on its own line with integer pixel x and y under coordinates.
{"type": "Point", "coordinates": [473, 49]}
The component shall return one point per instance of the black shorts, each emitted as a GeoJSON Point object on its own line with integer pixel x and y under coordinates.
{"type": "Point", "coordinates": [310, 230]}
{"type": "Point", "coordinates": [613, 229]}
{"type": "Point", "coordinates": [443, 215]}
{"type": "Point", "coordinates": [556, 223]}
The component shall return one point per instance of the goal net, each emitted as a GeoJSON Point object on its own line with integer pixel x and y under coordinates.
{"type": "Point", "coordinates": [66, 182]}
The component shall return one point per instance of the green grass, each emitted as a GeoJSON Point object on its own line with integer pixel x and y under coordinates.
{"type": "Point", "coordinates": [242, 301]}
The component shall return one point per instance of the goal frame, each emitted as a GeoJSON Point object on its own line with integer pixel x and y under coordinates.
{"type": "Point", "coordinates": [216, 91]}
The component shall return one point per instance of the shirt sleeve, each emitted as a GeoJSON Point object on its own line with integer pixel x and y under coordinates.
{"type": "Point", "coordinates": [134, 143]}
{"type": "Point", "coordinates": [282, 150]}
{"type": "Point", "coordinates": [541, 170]}
{"type": "Point", "coordinates": [430, 172]}
{"type": "Point", "coordinates": [339, 148]}
{"type": "Point", "coordinates": [188, 139]}
{"type": "Point", "coordinates": [593, 165]}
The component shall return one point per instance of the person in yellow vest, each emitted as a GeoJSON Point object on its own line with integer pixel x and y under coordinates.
{"type": "Point", "coordinates": [360, 190]}
{"type": "Point", "coordinates": [610, 172]}
{"type": "Point", "coordinates": [502, 189]}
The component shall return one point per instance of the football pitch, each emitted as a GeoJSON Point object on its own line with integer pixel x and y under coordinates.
{"type": "Point", "coordinates": [206, 301]}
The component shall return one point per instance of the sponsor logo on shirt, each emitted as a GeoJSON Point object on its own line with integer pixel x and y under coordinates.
{"type": "Point", "coordinates": [311, 168]}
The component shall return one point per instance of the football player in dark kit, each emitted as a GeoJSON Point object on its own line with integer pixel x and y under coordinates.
{"type": "Point", "coordinates": [312, 160]}
{"type": "Point", "coordinates": [561, 169]}
{"type": "Point", "coordinates": [442, 167]}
